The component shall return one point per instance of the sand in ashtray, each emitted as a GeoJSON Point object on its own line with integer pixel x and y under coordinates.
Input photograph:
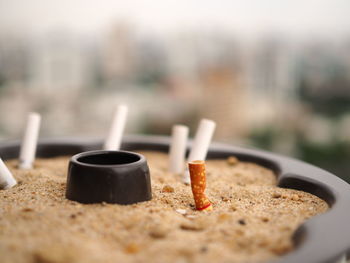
{"type": "Point", "coordinates": [252, 221]}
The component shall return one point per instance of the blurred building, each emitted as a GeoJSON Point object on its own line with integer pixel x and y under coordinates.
{"type": "Point", "coordinates": [14, 59]}
{"type": "Point", "coordinates": [117, 55]}
{"type": "Point", "coordinates": [59, 61]}
{"type": "Point", "coordinates": [224, 100]}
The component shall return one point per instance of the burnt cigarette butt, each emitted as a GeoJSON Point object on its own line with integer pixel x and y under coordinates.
{"type": "Point", "coordinates": [198, 185]}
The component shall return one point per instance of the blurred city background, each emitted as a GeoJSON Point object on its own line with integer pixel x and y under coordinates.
{"type": "Point", "coordinates": [272, 74]}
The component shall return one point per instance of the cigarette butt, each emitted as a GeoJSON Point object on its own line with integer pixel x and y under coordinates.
{"type": "Point", "coordinates": [114, 138]}
{"type": "Point", "coordinates": [177, 149]}
{"type": "Point", "coordinates": [201, 143]}
{"type": "Point", "coordinates": [198, 185]}
{"type": "Point", "coordinates": [6, 179]}
{"type": "Point", "coordinates": [202, 140]}
{"type": "Point", "coordinates": [29, 142]}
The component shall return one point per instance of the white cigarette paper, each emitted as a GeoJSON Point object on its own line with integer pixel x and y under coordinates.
{"type": "Point", "coordinates": [6, 179]}
{"type": "Point", "coordinates": [177, 149]}
{"type": "Point", "coordinates": [200, 144]}
{"type": "Point", "coordinates": [116, 131]}
{"type": "Point", "coordinates": [29, 142]}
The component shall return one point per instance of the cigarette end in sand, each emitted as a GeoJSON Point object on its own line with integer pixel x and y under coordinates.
{"type": "Point", "coordinates": [114, 138]}
{"type": "Point", "coordinates": [6, 179]}
{"type": "Point", "coordinates": [177, 149]}
{"type": "Point", "coordinates": [201, 143]}
{"type": "Point", "coordinates": [29, 142]}
{"type": "Point", "coordinates": [198, 185]}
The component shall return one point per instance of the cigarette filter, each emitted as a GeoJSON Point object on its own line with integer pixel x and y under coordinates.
{"type": "Point", "coordinates": [198, 184]}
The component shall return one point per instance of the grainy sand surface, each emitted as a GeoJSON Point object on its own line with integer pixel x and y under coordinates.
{"type": "Point", "coordinates": [252, 221]}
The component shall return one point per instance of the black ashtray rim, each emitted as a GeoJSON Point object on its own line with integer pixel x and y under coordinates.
{"type": "Point", "coordinates": [323, 238]}
{"type": "Point", "coordinates": [106, 153]}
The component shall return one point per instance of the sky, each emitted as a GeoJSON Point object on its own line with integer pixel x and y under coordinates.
{"type": "Point", "coordinates": [297, 17]}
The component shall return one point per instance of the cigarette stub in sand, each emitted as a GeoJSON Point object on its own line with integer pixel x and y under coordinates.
{"type": "Point", "coordinates": [178, 149]}
{"type": "Point", "coordinates": [29, 142]}
{"type": "Point", "coordinates": [200, 144]}
{"type": "Point", "coordinates": [6, 179]}
{"type": "Point", "coordinates": [198, 184]}
{"type": "Point", "coordinates": [114, 138]}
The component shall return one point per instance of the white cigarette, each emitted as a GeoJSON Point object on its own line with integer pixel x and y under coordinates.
{"type": "Point", "coordinates": [115, 135]}
{"type": "Point", "coordinates": [200, 144]}
{"type": "Point", "coordinates": [6, 179]}
{"type": "Point", "coordinates": [177, 149]}
{"type": "Point", "coordinates": [29, 142]}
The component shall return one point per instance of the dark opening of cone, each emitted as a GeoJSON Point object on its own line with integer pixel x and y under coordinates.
{"type": "Point", "coordinates": [110, 158]}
